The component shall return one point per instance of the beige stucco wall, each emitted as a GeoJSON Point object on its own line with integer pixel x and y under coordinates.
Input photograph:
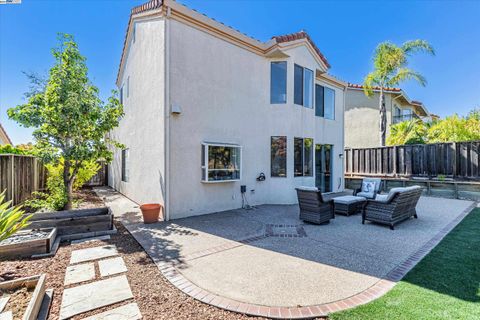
{"type": "Point", "coordinates": [224, 94]}
{"type": "Point", "coordinates": [142, 128]}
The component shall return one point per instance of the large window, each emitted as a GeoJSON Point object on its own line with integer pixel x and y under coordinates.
{"type": "Point", "coordinates": [324, 102]}
{"type": "Point", "coordinates": [221, 162]}
{"type": "Point", "coordinates": [303, 86]}
{"type": "Point", "coordinates": [125, 165]}
{"type": "Point", "coordinates": [303, 157]}
{"type": "Point", "coordinates": [278, 165]}
{"type": "Point", "coordinates": [121, 94]}
{"type": "Point", "coordinates": [278, 82]}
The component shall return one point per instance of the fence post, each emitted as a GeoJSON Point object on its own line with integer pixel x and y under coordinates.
{"type": "Point", "coordinates": [12, 176]}
{"type": "Point", "coordinates": [394, 161]}
{"type": "Point", "coordinates": [454, 160]}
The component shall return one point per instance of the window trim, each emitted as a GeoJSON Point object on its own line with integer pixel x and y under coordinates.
{"type": "Point", "coordinates": [286, 157]}
{"type": "Point", "coordinates": [286, 81]}
{"type": "Point", "coordinates": [204, 164]}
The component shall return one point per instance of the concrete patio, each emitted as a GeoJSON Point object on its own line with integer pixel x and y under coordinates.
{"type": "Point", "coordinates": [268, 257]}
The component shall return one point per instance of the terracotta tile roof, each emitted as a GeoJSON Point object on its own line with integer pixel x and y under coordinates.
{"type": "Point", "coordinates": [6, 135]}
{"type": "Point", "coordinates": [156, 4]}
{"type": "Point", "coordinates": [359, 86]}
{"type": "Point", "coordinates": [301, 35]}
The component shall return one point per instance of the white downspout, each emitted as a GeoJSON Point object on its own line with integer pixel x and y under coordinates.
{"type": "Point", "coordinates": [167, 114]}
{"type": "Point", "coordinates": [342, 178]}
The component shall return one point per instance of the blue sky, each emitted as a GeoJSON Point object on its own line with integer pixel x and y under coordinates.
{"type": "Point", "coordinates": [346, 32]}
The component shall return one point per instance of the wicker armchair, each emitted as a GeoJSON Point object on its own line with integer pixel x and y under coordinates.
{"type": "Point", "coordinates": [313, 208]}
{"type": "Point", "coordinates": [397, 206]}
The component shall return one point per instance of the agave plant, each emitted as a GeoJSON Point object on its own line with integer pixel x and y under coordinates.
{"type": "Point", "coordinates": [11, 218]}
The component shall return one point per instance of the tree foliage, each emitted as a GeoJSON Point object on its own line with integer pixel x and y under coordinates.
{"type": "Point", "coordinates": [451, 129]}
{"type": "Point", "coordinates": [69, 119]}
{"type": "Point", "coordinates": [390, 68]}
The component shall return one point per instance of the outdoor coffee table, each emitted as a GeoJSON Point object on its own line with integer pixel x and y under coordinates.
{"type": "Point", "coordinates": [348, 205]}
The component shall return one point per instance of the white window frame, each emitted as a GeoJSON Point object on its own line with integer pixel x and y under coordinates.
{"type": "Point", "coordinates": [205, 146]}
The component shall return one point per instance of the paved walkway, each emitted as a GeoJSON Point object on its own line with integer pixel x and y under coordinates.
{"type": "Point", "coordinates": [85, 292]}
{"type": "Point", "coordinates": [267, 262]}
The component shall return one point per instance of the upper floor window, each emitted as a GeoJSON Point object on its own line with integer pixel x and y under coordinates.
{"type": "Point", "coordinates": [324, 102]}
{"type": "Point", "coordinates": [278, 82]}
{"type": "Point", "coordinates": [128, 86]}
{"type": "Point", "coordinates": [121, 94]}
{"type": "Point", "coordinates": [221, 162]}
{"type": "Point", "coordinates": [303, 157]}
{"type": "Point", "coordinates": [303, 86]}
{"type": "Point", "coordinates": [278, 149]}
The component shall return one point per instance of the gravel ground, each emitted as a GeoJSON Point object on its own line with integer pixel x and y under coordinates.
{"type": "Point", "coordinates": [86, 198]}
{"type": "Point", "coordinates": [155, 296]}
{"type": "Point", "coordinates": [21, 237]}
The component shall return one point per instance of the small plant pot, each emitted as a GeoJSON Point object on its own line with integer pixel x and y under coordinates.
{"type": "Point", "coordinates": [151, 212]}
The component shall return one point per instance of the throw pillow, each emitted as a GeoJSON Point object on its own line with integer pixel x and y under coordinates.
{"type": "Point", "coordinates": [368, 186]}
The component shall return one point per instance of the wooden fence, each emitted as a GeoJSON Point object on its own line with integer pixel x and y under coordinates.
{"type": "Point", "coordinates": [459, 160]}
{"type": "Point", "coordinates": [21, 175]}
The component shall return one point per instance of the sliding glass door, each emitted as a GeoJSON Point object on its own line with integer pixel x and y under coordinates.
{"type": "Point", "coordinates": [323, 167]}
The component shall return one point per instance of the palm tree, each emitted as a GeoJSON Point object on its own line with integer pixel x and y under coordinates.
{"type": "Point", "coordinates": [390, 68]}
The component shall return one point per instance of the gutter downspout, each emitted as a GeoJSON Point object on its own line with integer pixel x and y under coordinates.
{"type": "Point", "coordinates": [167, 113]}
{"type": "Point", "coordinates": [342, 186]}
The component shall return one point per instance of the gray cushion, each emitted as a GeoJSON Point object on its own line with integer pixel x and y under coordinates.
{"type": "Point", "coordinates": [368, 195]}
{"type": "Point", "coordinates": [348, 199]}
{"type": "Point", "coordinates": [304, 188]}
{"type": "Point", "coordinates": [393, 192]}
{"type": "Point", "coordinates": [382, 197]}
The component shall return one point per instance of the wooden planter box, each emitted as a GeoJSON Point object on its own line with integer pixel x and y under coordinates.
{"type": "Point", "coordinates": [29, 247]}
{"type": "Point", "coordinates": [75, 221]}
{"type": "Point", "coordinates": [37, 282]}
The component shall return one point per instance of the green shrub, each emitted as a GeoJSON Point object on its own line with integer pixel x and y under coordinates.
{"type": "Point", "coordinates": [56, 196]}
{"type": "Point", "coordinates": [11, 218]}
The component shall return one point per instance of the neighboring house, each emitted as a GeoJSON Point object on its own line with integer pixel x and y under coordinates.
{"type": "Point", "coordinates": [362, 114]}
{"type": "Point", "coordinates": [4, 138]}
{"type": "Point", "coordinates": [209, 109]}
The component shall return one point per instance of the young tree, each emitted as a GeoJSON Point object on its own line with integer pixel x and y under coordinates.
{"type": "Point", "coordinates": [390, 69]}
{"type": "Point", "coordinates": [69, 119]}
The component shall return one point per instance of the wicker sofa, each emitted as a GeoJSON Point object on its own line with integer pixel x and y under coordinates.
{"type": "Point", "coordinates": [313, 208]}
{"type": "Point", "coordinates": [396, 206]}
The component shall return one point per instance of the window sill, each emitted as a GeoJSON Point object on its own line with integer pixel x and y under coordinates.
{"type": "Point", "coordinates": [219, 181]}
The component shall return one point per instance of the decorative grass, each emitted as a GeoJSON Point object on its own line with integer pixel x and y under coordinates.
{"type": "Point", "coordinates": [444, 285]}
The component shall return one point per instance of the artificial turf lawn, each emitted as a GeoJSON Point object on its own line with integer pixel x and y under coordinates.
{"type": "Point", "coordinates": [444, 285]}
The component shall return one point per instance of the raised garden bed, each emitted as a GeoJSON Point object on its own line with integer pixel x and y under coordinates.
{"type": "Point", "coordinates": [25, 296]}
{"type": "Point", "coordinates": [71, 222]}
{"type": "Point", "coordinates": [26, 243]}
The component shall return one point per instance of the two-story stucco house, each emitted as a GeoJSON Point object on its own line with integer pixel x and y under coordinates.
{"type": "Point", "coordinates": [209, 110]}
{"type": "Point", "coordinates": [362, 114]}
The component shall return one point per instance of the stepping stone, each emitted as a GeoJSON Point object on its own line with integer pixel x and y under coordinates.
{"type": "Point", "coordinates": [3, 302]}
{"type": "Point", "coordinates": [79, 273]}
{"type": "Point", "coordinates": [112, 266]}
{"type": "Point", "coordinates": [94, 295]}
{"type": "Point", "coordinates": [94, 253]}
{"type": "Point", "coordinates": [127, 312]}
{"type": "Point", "coordinates": [7, 315]}
{"type": "Point", "coordinates": [106, 237]}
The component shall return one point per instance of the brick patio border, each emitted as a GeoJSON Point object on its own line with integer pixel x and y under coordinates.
{"type": "Point", "coordinates": [376, 291]}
